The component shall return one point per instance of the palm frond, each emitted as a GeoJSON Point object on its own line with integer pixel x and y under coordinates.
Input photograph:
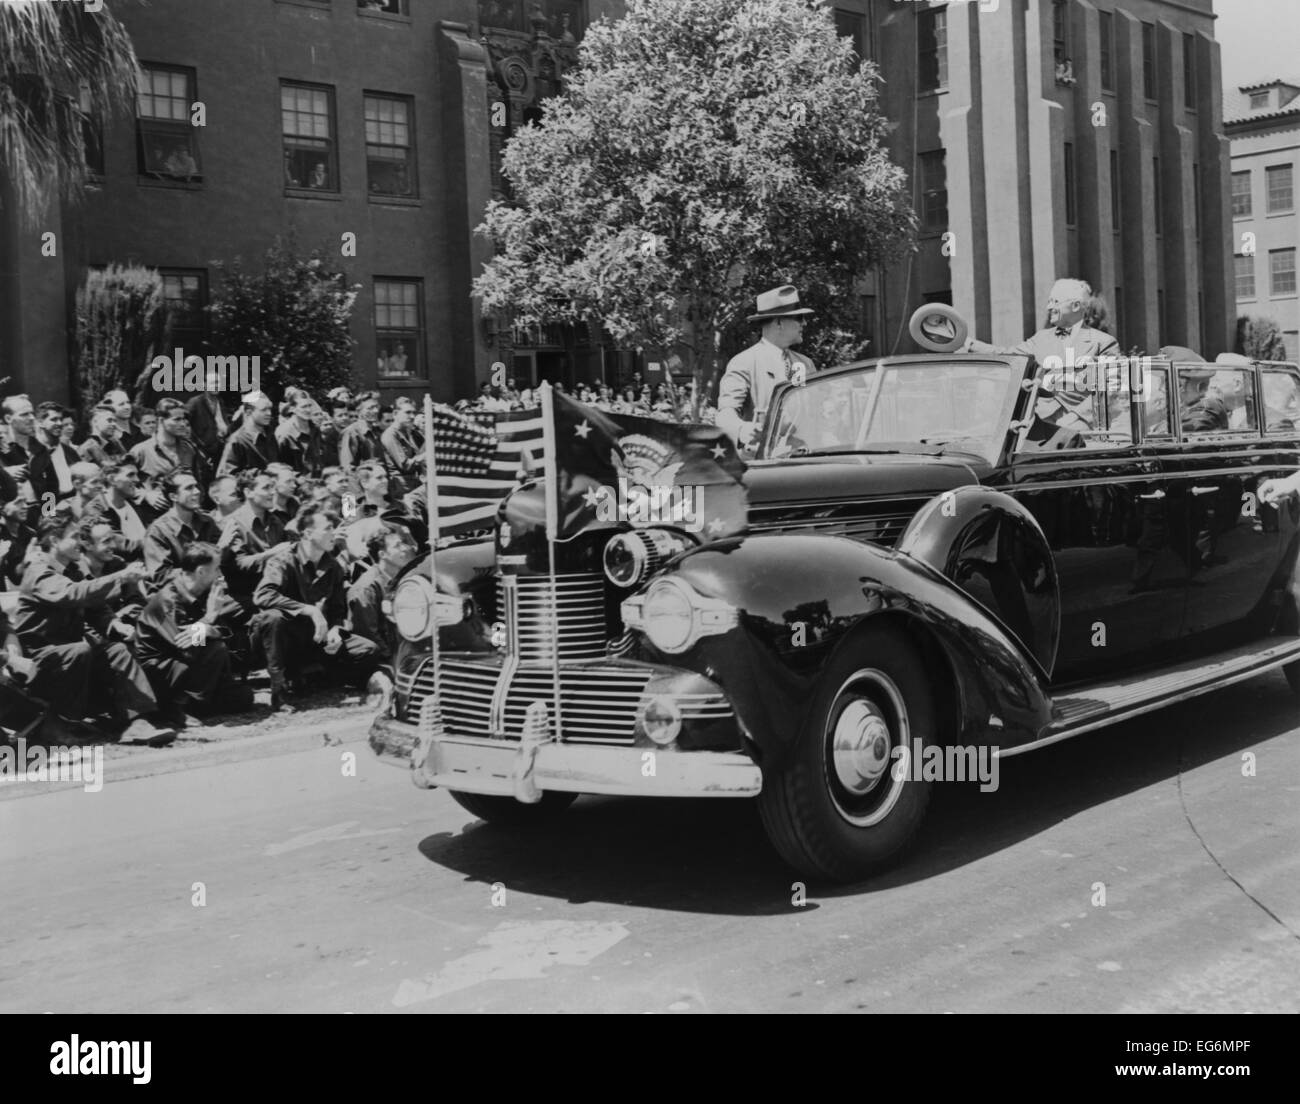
{"type": "Point", "coordinates": [49, 53]}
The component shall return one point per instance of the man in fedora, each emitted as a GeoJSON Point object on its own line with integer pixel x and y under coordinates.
{"type": "Point", "coordinates": [1202, 410]}
{"type": "Point", "coordinates": [751, 376]}
{"type": "Point", "coordinates": [1068, 338]}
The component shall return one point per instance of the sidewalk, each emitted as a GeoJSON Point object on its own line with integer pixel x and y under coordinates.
{"type": "Point", "coordinates": [325, 719]}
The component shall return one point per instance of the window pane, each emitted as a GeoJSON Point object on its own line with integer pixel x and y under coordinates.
{"type": "Point", "coordinates": [934, 190]}
{"type": "Point", "coordinates": [932, 49]}
{"type": "Point", "coordinates": [1241, 194]}
{"type": "Point", "coordinates": [1281, 401]}
{"type": "Point", "coordinates": [1245, 267]}
{"type": "Point", "coordinates": [399, 337]}
{"type": "Point", "coordinates": [1281, 267]}
{"type": "Point", "coordinates": [1217, 403]}
{"type": "Point", "coordinates": [1281, 195]}
{"type": "Point", "coordinates": [1149, 60]}
{"type": "Point", "coordinates": [1107, 31]}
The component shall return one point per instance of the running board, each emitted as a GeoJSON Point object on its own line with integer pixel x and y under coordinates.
{"type": "Point", "coordinates": [1104, 703]}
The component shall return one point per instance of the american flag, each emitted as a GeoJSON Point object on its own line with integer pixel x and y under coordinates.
{"type": "Point", "coordinates": [479, 455]}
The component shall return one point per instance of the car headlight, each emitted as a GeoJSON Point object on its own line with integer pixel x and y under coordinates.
{"type": "Point", "coordinates": [415, 602]}
{"type": "Point", "coordinates": [673, 615]}
{"type": "Point", "coordinates": [412, 606]}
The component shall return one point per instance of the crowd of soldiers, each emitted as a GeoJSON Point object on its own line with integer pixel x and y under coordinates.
{"type": "Point", "coordinates": [151, 566]}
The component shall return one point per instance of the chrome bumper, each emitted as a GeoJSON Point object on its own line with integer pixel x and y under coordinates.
{"type": "Point", "coordinates": [522, 769]}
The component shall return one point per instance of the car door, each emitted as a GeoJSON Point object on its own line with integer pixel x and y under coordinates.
{"type": "Point", "coordinates": [1232, 547]}
{"type": "Point", "coordinates": [1101, 502]}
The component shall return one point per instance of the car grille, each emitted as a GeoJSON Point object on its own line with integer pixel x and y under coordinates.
{"type": "Point", "coordinates": [599, 702]}
{"type": "Point", "coordinates": [579, 608]}
{"type": "Point", "coordinates": [880, 522]}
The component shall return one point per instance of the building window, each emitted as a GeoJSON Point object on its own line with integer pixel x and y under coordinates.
{"type": "Point", "coordinates": [168, 144]}
{"type": "Point", "coordinates": [185, 292]}
{"type": "Point", "coordinates": [562, 20]}
{"type": "Point", "coordinates": [92, 133]}
{"type": "Point", "coordinates": [390, 157]}
{"type": "Point", "coordinates": [934, 191]}
{"type": "Point", "coordinates": [1279, 185]}
{"type": "Point", "coordinates": [1106, 24]}
{"type": "Point", "coordinates": [932, 49]}
{"type": "Point", "coordinates": [1149, 60]}
{"type": "Point", "coordinates": [1071, 204]}
{"type": "Point", "coordinates": [392, 7]}
{"type": "Point", "coordinates": [1060, 24]}
{"type": "Point", "coordinates": [853, 26]}
{"type": "Point", "coordinates": [1196, 198]}
{"type": "Point", "coordinates": [1258, 101]}
{"type": "Point", "coordinates": [1189, 72]}
{"type": "Point", "coordinates": [1281, 271]}
{"type": "Point", "coordinates": [1157, 197]}
{"type": "Point", "coordinates": [1115, 206]}
{"type": "Point", "coordinates": [399, 333]}
{"type": "Point", "coordinates": [1241, 194]}
{"type": "Point", "coordinates": [1245, 272]}
{"type": "Point", "coordinates": [307, 123]}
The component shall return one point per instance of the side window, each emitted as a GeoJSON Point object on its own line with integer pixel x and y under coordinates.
{"type": "Point", "coordinates": [1064, 416]}
{"type": "Point", "coordinates": [1216, 400]}
{"type": "Point", "coordinates": [1116, 385]}
{"type": "Point", "coordinates": [1281, 400]}
{"type": "Point", "coordinates": [1155, 413]}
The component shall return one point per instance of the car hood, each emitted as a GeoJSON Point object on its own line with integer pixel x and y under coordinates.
{"type": "Point", "coordinates": [864, 475]}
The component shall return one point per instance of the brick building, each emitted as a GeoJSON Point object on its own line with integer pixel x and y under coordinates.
{"type": "Point", "coordinates": [1263, 125]}
{"type": "Point", "coordinates": [1042, 137]}
{"type": "Point", "coordinates": [321, 118]}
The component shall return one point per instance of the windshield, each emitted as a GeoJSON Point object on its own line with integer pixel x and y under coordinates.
{"type": "Point", "coordinates": [959, 406]}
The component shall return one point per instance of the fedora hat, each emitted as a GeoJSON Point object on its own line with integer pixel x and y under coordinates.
{"type": "Point", "coordinates": [1233, 360]}
{"type": "Point", "coordinates": [781, 302]}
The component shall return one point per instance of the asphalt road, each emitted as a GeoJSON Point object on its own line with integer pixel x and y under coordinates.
{"type": "Point", "coordinates": [335, 892]}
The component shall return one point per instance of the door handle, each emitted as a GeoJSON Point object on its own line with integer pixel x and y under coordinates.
{"type": "Point", "coordinates": [1153, 496]}
{"type": "Point", "coordinates": [1198, 491]}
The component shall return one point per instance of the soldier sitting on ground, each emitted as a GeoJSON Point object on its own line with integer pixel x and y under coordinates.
{"type": "Point", "coordinates": [181, 644]}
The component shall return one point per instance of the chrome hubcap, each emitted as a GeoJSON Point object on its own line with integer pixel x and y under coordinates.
{"type": "Point", "coordinates": [860, 746]}
{"type": "Point", "coordinates": [870, 722]}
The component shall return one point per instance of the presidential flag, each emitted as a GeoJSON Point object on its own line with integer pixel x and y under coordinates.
{"type": "Point", "coordinates": [612, 470]}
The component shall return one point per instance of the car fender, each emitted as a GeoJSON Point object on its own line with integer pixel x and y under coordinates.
{"type": "Point", "coordinates": [993, 548]}
{"type": "Point", "coordinates": [800, 597]}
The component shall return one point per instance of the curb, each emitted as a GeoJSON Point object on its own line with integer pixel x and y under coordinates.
{"type": "Point", "coordinates": [149, 762]}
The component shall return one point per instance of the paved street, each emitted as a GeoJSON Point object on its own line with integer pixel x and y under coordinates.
{"type": "Point", "coordinates": [337, 893]}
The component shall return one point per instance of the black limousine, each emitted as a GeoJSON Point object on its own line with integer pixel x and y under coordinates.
{"type": "Point", "coordinates": [941, 555]}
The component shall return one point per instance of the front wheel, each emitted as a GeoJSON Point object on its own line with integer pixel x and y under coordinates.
{"type": "Point", "coordinates": [849, 799]}
{"type": "Point", "coordinates": [506, 810]}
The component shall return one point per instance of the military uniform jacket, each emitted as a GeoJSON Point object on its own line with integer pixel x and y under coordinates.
{"type": "Point", "coordinates": [290, 582]}
{"type": "Point", "coordinates": [55, 603]}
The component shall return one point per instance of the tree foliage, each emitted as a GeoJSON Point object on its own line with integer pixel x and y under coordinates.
{"type": "Point", "coordinates": [122, 323]}
{"type": "Point", "coordinates": [50, 53]}
{"type": "Point", "coordinates": [1260, 339]}
{"type": "Point", "coordinates": [294, 315]}
{"type": "Point", "coordinates": [703, 151]}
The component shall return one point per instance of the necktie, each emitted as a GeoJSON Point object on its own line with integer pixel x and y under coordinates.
{"type": "Point", "coordinates": [789, 364]}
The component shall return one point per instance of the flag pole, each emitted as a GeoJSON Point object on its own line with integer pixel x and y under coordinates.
{"type": "Point", "coordinates": [550, 476]}
{"type": "Point", "coordinates": [431, 487]}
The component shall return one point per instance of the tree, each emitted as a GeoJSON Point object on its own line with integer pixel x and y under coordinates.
{"type": "Point", "coordinates": [294, 315]}
{"type": "Point", "coordinates": [702, 151]}
{"type": "Point", "coordinates": [1260, 339]}
{"type": "Point", "coordinates": [122, 323]}
{"type": "Point", "coordinates": [51, 54]}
